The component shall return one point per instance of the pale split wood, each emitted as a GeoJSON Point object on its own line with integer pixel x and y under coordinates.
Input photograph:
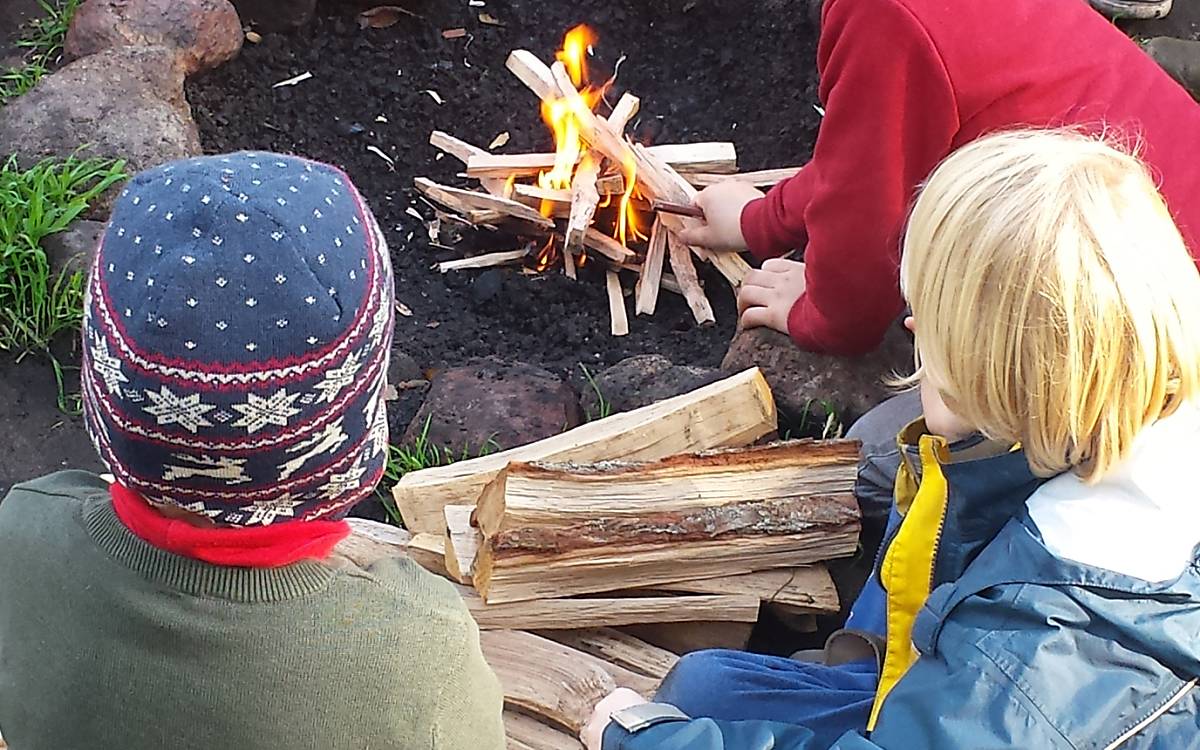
{"type": "Point", "coordinates": [483, 261]}
{"type": "Point", "coordinates": [584, 200]}
{"type": "Point", "coordinates": [521, 576]}
{"type": "Point", "coordinates": [466, 200]}
{"type": "Point", "coordinates": [565, 613]}
{"type": "Point", "coordinates": [608, 185]}
{"type": "Point", "coordinates": [525, 732]}
{"type": "Point", "coordinates": [533, 73]}
{"type": "Point", "coordinates": [650, 278]}
{"type": "Point", "coordinates": [616, 304]}
{"type": "Point", "coordinates": [687, 157]}
{"type": "Point", "coordinates": [463, 151]}
{"type": "Point", "coordinates": [554, 682]}
{"type": "Point", "coordinates": [594, 239]}
{"type": "Point", "coordinates": [719, 158]}
{"type": "Point", "coordinates": [617, 647]}
{"type": "Point", "coordinates": [764, 178]}
{"type": "Point", "coordinates": [462, 543]}
{"type": "Point", "coordinates": [804, 590]}
{"type": "Point", "coordinates": [568, 259]}
{"type": "Point", "coordinates": [735, 411]}
{"type": "Point", "coordinates": [429, 551]}
{"type": "Point", "coordinates": [370, 541]}
{"type": "Point", "coordinates": [689, 281]}
{"type": "Point", "coordinates": [626, 109]}
{"type": "Point", "coordinates": [614, 500]}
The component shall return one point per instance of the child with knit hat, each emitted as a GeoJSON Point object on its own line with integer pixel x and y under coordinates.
{"type": "Point", "coordinates": [236, 334]}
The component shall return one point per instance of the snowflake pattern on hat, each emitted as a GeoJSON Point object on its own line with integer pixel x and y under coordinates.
{"type": "Point", "coordinates": [236, 335]}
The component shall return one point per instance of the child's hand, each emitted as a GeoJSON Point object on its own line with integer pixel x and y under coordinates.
{"type": "Point", "coordinates": [592, 733]}
{"type": "Point", "coordinates": [721, 228]}
{"type": "Point", "coordinates": [767, 295]}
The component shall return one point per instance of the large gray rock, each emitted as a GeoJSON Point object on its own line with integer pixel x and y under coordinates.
{"type": "Point", "coordinates": [640, 381]}
{"type": "Point", "coordinates": [201, 33]}
{"type": "Point", "coordinates": [123, 103]}
{"type": "Point", "coordinates": [73, 248]}
{"type": "Point", "coordinates": [494, 404]}
{"type": "Point", "coordinates": [800, 379]}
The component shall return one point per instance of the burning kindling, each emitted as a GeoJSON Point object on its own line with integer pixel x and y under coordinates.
{"type": "Point", "coordinates": [599, 196]}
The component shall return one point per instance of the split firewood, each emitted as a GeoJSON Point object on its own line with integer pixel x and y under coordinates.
{"type": "Point", "coordinates": [482, 261]}
{"type": "Point", "coordinates": [764, 178]}
{"type": "Point", "coordinates": [584, 200]}
{"type": "Point", "coordinates": [532, 72]}
{"type": "Point", "coordinates": [608, 185]}
{"type": "Point", "coordinates": [568, 261]}
{"type": "Point", "coordinates": [429, 551]}
{"type": "Point", "coordinates": [805, 590]}
{"type": "Point", "coordinates": [468, 200]}
{"type": "Point", "coordinates": [689, 282]}
{"type": "Point", "coordinates": [616, 304]}
{"type": "Point", "coordinates": [688, 157]}
{"type": "Point", "coordinates": [594, 239]}
{"type": "Point", "coordinates": [732, 412]}
{"type": "Point", "coordinates": [557, 530]}
{"type": "Point", "coordinates": [554, 682]}
{"type": "Point", "coordinates": [369, 541]}
{"type": "Point", "coordinates": [652, 270]}
{"type": "Point", "coordinates": [463, 151]}
{"type": "Point", "coordinates": [617, 647]}
{"type": "Point", "coordinates": [626, 109]}
{"type": "Point", "coordinates": [563, 614]}
{"type": "Point", "coordinates": [686, 637]}
{"type": "Point", "coordinates": [525, 732]}
{"type": "Point", "coordinates": [462, 543]}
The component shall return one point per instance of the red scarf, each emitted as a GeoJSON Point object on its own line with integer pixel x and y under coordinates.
{"type": "Point", "coordinates": [251, 547]}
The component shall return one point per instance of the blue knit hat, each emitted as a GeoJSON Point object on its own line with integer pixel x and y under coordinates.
{"type": "Point", "coordinates": [236, 334]}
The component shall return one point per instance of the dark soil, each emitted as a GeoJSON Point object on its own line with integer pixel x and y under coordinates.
{"type": "Point", "coordinates": [703, 72]}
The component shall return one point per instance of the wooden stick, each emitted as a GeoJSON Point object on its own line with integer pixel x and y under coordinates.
{"type": "Point", "coordinates": [626, 109]}
{"type": "Point", "coordinates": [482, 261]}
{"type": "Point", "coordinates": [652, 270]}
{"type": "Point", "coordinates": [568, 259]}
{"type": "Point", "coordinates": [551, 681]}
{"type": "Point", "coordinates": [617, 647]}
{"type": "Point", "coordinates": [764, 178]}
{"type": "Point", "coordinates": [563, 614]}
{"type": "Point", "coordinates": [463, 151]}
{"type": "Point", "coordinates": [524, 732]}
{"type": "Point", "coordinates": [584, 199]}
{"type": "Point", "coordinates": [719, 158]}
{"type": "Point", "coordinates": [609, 185]}
{"type": "Point", "coordinates": [466, 200]}
{"type": "Point", "coordinates": [533, 73]}
{"type": "Point", "coordinates": [683, 156]}
{"type": "Point", "coordinates": [804, 590]}
{"type": "Point", "coordinates": [616, 305]}
{"type": "Point", "coordinates": [677, 209]}
{"type": "Point", "coordinates": [594, 239]}
{"type": "Point", "coordinates": [731, 412]}
{"type": "Point", "coordinates": [689, 282]}
{"type": "Point", "coordinates": [462, 543]}
{"type": "Point", "coordinates": [686, 637]}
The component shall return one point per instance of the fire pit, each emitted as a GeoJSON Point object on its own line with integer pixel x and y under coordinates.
{"type": "Point", "coordinates": [594, 196]}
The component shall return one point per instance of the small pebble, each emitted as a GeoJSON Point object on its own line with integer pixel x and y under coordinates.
{"type": "Point", "coordinates": [253, 37]}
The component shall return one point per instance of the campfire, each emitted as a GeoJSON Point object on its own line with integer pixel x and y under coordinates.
{"type": "Point", "coordinates": [599, 197]}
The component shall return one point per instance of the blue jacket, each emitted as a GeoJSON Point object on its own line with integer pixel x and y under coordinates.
{"type": "Point", "coordinates": [1009, 646]}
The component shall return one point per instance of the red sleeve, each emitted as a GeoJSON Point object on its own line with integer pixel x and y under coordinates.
{"type": "Point", "coordinates": [890, 117]}
{"type": "Point", "coordinates": [774, 224]}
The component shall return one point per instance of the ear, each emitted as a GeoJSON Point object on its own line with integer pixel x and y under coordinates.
{"type": "Point", "coordinates": [910, 323]}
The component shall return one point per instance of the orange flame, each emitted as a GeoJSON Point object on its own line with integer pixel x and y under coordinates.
{"type": "Point", "coordinates": [574, 52]}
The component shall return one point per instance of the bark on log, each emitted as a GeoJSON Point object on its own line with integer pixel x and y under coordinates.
{"type": "Point", "coordinates": [729, 413]}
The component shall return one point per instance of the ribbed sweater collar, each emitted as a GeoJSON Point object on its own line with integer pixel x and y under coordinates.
{"type": "Point", "coordinates": [248, 585]}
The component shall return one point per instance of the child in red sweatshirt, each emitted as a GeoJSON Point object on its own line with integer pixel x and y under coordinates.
{"type": "Point", "coordinates": [903, 84]}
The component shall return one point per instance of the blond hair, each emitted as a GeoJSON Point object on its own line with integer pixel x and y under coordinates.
{"type": "Point", "coordinates": [1055, 302]}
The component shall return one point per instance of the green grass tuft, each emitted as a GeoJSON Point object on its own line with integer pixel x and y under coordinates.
{"type": "Point", "coordinates": [603, 404]}
{"type": "Point", "coordinates": [422, 454]}
{"type": "Point", "coordinates": [43, 42]}
{"type": "Point", "coordinates": [35, 304]}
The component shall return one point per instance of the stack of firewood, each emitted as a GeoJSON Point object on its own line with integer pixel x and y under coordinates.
{"type": "Point", "coordinates": [668, 174]}
{"type": "Point", "coordinates": [666, 518]}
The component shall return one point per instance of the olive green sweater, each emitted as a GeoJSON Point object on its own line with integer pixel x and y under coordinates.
{"type": "Point", "coordinates": [107, 643]}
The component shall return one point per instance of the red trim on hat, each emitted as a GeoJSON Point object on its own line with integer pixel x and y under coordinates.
{"type": "Point", "coordinates": [250, 547]}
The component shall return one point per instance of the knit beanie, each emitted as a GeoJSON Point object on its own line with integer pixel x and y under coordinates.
{"type": "Point", "coordinates": [236, 331]}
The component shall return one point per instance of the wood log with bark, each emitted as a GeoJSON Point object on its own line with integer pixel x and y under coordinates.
{"type": "Point", "coordinates": [735, 411]}
{"type": "Point", "coordinates": [554, 530]}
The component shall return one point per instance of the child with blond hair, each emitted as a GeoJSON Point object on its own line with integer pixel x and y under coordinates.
{"type": "Point", "coordinates": [1040, 584]}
